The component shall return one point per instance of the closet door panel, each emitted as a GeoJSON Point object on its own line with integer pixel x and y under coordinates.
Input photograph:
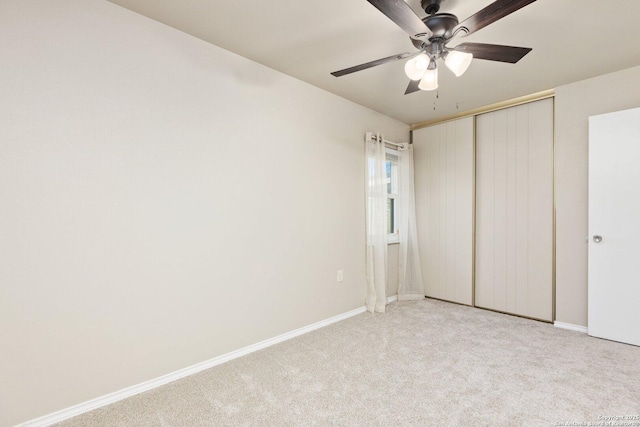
{"type": "Point", "coordinates": [444, 181]}
{"type": "Point", "coordinates": [514, 210]}
{"type": "Point", "coordinates": [521, 212]}
{"type": "Point", "coordinates": [485, 207]}
{"type": "Point", "coordinates": [500, 210]}
{"type": "Point", "coordinates": [541, 201]}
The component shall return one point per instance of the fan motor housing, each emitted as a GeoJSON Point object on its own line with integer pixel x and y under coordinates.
{"type": "Point", "coordinates": [441, 24]}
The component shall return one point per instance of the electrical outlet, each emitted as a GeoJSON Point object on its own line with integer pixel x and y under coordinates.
{"type": "Point", "coordinates": [340, 276]}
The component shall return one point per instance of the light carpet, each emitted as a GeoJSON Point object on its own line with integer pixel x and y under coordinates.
{"type": "Point", "coordinates": [423, 363]}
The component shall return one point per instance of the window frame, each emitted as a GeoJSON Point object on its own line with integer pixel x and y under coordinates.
{"type": "Point", "coordinates": [391, 156]}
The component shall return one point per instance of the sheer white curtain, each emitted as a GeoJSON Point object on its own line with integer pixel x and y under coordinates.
{"type": "Point", "coordinates": [376, 224]}
{"type": "Point", "coordinates": [410, 285]}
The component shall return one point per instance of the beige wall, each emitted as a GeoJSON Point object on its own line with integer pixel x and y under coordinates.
{"type": "Point", "coordinates": [574, 103]}
{"type": "Point", "coordinates": [162, 202]}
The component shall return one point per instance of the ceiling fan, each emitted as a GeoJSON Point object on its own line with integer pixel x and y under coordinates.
{"type": "Point", "coordinates": [432, 34]}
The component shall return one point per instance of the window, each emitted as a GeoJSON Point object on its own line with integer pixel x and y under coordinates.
{"type": "Point", "coordinates": [392, 194]}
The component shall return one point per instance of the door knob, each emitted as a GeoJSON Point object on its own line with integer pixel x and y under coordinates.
{"type": "Point", "coordinates": [597, 239]}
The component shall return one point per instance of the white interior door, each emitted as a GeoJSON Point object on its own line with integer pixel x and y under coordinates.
{"type": "Point", "coordinates": [614, 226]}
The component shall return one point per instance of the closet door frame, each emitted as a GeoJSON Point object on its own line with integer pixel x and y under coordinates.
{"type": "Point", "coordinates": [486, 109]}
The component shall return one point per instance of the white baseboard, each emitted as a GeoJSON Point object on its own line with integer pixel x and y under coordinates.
{"type": "Point", "coordinates": [570, 327]}
{"type": "Point", "coordinates": [110, 398]}
{"type": "Point", "coordinates": [392, 299]}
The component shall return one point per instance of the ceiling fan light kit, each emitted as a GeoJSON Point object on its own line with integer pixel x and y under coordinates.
{"type": "Point", "coordinates": [430, 79]}
{"type": "Point", "coordinates": [415, 67]}
{"type": "Point", "coordinates": [432, 34]}
{"type": "Point", "coordinates": [458, 62]}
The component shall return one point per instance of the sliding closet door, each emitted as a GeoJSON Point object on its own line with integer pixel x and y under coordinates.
{"type": "Point", "coordinates": [514, 210]}
{"type": "Point", "coordinates": [443, 158]}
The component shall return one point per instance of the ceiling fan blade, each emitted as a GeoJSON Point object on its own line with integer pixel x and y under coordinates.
{"type": "Point", "coordinates": [494, 52]}
{"type": "Point", "coordinates": [404, 17]}
{"type": "Point", "coordinates": [373, 63]}
{"type": "Point", "coordinates": [490, 14]}
{"type": "Point", "coordinates": [413, 87]}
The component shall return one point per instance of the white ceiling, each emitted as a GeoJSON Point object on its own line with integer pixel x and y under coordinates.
{"type": "Point", "coordinates": [571, 39]}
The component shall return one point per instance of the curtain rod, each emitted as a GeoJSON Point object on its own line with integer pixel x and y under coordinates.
{"type": "Point", "coordinates": [371, 136]}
